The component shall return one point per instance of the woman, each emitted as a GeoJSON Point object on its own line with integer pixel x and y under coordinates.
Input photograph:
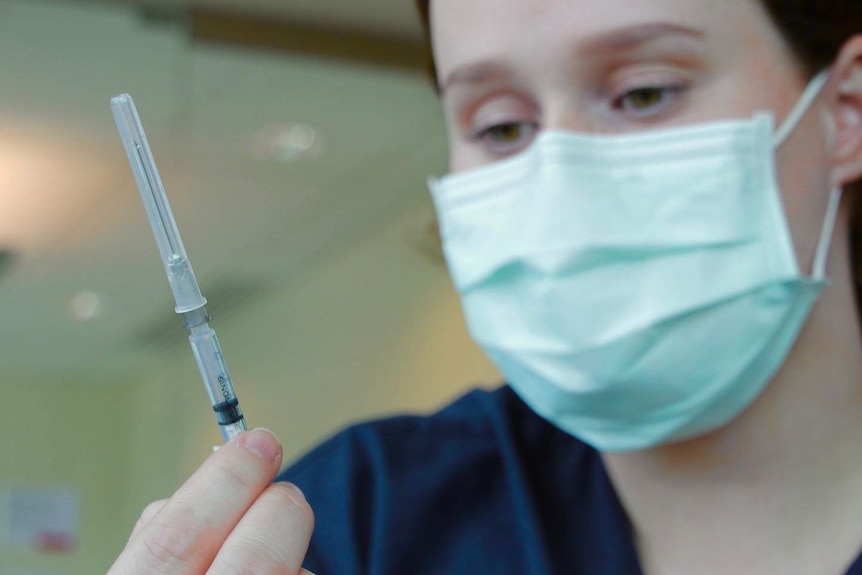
{"type": "Point", "coordinates": [646, 200]}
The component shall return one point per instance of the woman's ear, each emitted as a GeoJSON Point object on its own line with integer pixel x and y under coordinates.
{"type": "Point", "coordinates": [847, 154]}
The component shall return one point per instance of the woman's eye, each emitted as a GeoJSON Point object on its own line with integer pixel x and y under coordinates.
{"type": "Point", "coordinates": [506, 138]}
{"type": "Point", "coordinates": [646, 101]}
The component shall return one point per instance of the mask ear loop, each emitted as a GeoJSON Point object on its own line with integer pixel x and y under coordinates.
{"type": "Point", "coordinates": [811, 93]}
{"type": "Point", "coordinates": [798, 112]}
{"type": "Point", "coordinates": [818, 270]}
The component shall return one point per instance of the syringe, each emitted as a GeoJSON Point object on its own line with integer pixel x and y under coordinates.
{"type": "Point", "coordinates": [187, 294]}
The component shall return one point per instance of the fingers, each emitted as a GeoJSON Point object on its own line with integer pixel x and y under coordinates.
{"type": "Point", "coordinates": [271, 539]}
{"type": "Point", "coordinates": [149, 512]}
{"type": "Point", "coordinates": [184, 536]}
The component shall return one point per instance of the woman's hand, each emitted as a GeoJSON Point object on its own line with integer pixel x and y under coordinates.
{"type": "Point", "coordinates": [227, 519]}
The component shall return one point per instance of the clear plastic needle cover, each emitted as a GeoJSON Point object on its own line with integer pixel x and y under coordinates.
{"type": "Point", "coordinates": [185, 288]}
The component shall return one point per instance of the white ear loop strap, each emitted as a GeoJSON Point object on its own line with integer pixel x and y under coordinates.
{"type": "Point", "coordinates": [801, 108]}
{"type": "Point", "coordinates": [818, 270]}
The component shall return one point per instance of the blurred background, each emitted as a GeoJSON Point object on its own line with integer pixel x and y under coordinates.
{"type": "Point", "coordinates": [294, 138]}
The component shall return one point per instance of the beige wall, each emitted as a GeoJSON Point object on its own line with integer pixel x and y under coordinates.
{"type": "Point", "coordinates": [373, 331]}
{"type": "Point", "coordinates": [71, 436]}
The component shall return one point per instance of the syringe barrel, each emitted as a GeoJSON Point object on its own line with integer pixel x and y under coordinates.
{"type": "Point", "coordinates": [211, 363]}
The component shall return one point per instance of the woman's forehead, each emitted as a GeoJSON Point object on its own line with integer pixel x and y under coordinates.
{"type": "Point", "coordinates": [474, 30]}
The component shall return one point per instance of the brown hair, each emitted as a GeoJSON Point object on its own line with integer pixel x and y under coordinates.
{"type": "Point", "coordinates": [815, 30]}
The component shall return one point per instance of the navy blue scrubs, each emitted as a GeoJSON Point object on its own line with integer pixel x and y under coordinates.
{"type": "Point", "coordinates": [483, 487]}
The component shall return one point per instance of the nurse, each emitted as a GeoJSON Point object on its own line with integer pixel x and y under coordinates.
{"type": "Point", "coordinates": [650, 219]}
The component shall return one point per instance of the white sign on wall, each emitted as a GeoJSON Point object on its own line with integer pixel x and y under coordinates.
{"type": "Point", "coordinates": [41, 519]}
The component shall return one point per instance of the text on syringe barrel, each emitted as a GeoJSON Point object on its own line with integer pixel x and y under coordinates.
{"type": "Point", "coordinates": [214, 372]}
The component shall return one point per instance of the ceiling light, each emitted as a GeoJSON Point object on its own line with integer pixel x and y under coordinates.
{"type": "Point", "coordinates": [86, 306]}
{"type": "Point", "coordinates": [288, 143]}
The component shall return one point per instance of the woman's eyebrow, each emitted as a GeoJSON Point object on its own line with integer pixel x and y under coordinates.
{"type": "Point", "coordinates": [476, 73]}
{"type": "Point", "coordinates": [629, 39]}
{"type": "Point", "coordinates": [624, 40]}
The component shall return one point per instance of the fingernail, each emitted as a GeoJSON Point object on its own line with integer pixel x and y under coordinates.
{"type": "Point", "coordinates": [263, 443]}
{"type": "Point", "coordinates": [294, 487]}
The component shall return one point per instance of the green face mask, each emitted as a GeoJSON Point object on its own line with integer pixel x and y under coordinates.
{"type": "Point", "coordinates": [638, 289]}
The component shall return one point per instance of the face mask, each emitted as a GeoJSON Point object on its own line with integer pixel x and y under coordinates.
{"type": "Point", "coordinates": [634, 290]}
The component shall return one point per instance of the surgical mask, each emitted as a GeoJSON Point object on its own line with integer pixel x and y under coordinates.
{"type": "Point", "coordinates": [634, 290]}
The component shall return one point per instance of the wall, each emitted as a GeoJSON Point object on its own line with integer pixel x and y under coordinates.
{"type": "Point", "coordinates": [70, 435]}
{"type": "Point", "coordinates": [376, 330]}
